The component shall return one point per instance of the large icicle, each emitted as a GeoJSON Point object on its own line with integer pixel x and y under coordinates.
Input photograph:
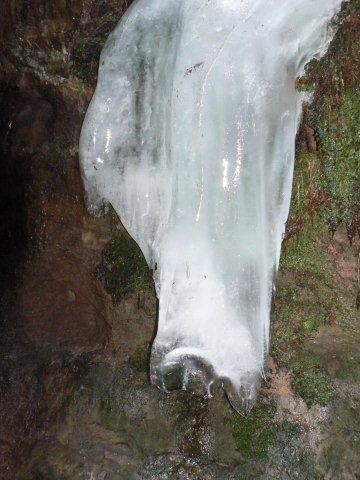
{"type": "Point", "coordinates": [190, 136]}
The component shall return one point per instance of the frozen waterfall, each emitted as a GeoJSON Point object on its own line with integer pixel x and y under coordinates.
{"type": "Point", "coordinates": [191, 137]}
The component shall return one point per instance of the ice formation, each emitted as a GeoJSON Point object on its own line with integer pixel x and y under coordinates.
{"type": "Point", "coordinates": [191, 136]}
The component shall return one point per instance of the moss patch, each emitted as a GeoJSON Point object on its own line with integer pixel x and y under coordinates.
{"type": "Point", "coordinates": [311, 294]}
{"type": "Point", "coordinates": [335, 119]}
{"type": "Point", "coordinates": [139, 360]}
{"type": "Point", "coordinates": [254, 434]}
{"type": "Point", "coordinates": [339, 137]}
{"type": "Point", "coordinates": [125, 268]}
{"type": "Point", "coordinates": [311, 383]}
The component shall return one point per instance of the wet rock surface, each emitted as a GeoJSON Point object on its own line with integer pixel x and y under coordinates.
{"type": "Point", "coordinates": [78, 309]}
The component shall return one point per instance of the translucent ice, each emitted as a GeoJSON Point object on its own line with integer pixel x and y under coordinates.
{"type": "Point", "coordinates": [190, 136]}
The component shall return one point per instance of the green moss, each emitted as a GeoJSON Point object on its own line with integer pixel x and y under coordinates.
{"type": "Point", "coordinates": [339, 137]}
{"type": "Point", "coordinates": [125, 268]}
{"type": "Point", "coordinates": [195, 385]}
{"type": "Point", "coordinates": [288, 430]}
{"type": "Point", "coordinates": [301, 308]}
{"type": "Point", "coordinates": [303, 84]}
{"type": "Point", "coordinates": [312, 68]}
{"type": "Point", "coordinates": [303, 255]}
{"type": "Point", "coordinates": [139, 360]}
{"type": "Point", "coordinates": [301, 252]}
{"type": "Point", "coordinates": [325, 195]}
{"type": "Point", "coordinates": [311, 383]}
{"type": "Point", "coordinates": [173, 378]}
{"type": "Point", "coordinates": [254, 434]}
{"type": "Point", "coordinates": [110, 211]}
{"type": "Point", "coordinates": [307, 298]}
{"type": "Point", "coordinates": [335, 115]}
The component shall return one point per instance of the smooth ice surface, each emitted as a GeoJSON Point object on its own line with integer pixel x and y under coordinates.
{"type": "Point", "coordinates": [191, 136]}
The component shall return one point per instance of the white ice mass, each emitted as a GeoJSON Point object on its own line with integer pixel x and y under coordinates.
{"type": "Point", "coordinates": [191, 137]}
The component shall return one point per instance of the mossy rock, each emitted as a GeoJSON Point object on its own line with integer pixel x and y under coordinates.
{"type": "Point", "coordinates": [339, 137]}
{"type": "Point", "coordinates": [311, 383]}
{"type": "Point", "coordinates": [139, 360]}
{"type": "Point", "coordinates": [125, 268]}
{"type": "Point", "coordinates": [254, 434]}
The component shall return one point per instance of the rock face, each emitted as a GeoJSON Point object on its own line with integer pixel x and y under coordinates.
{"type": "Point", "coordinates": [78, 309]}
